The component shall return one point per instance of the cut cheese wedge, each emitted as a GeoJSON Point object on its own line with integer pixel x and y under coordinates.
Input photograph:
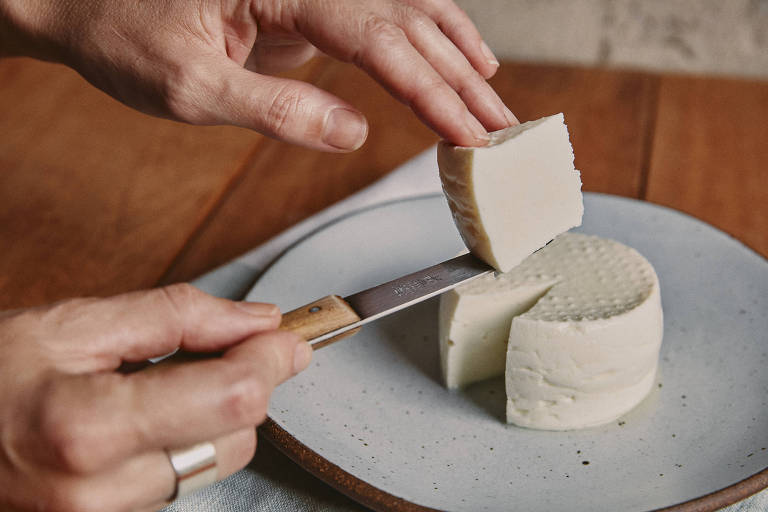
{"type": "Point", "coordinates": [576, 330]}
{"type": "Point", "coordinates": [513, 196]}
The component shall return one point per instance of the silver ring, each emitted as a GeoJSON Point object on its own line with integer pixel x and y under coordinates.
{"type": "Point", "coordinates": [195, 468]}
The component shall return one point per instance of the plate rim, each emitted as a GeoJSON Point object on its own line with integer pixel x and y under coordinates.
{"type": "Point", "coordinates": [377, 499]}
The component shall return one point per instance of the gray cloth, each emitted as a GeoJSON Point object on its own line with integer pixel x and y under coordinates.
{"type": "Point", "coordinates": [272, 481]}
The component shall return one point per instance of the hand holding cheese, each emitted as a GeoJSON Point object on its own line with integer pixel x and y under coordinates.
{"type": "Point", "coordinates": [514, 195]}
{"type": "Point", "coordinates": [214, 61]}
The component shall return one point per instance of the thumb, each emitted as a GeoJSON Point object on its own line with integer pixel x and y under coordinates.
{"type": "Point", "coordinates": [285, 109]}
{"type": "Point", "coordinates": [100, 334]}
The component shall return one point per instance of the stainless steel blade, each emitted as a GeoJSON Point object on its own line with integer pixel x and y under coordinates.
{"type": "Point", "coordinates": [387, 298]}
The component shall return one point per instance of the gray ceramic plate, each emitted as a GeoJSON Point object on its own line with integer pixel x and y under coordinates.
{"type": "Point", "coordinates": [373, 406]}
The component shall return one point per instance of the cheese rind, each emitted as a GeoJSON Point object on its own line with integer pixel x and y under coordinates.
{"type": "Point", "coordinates": [514, 195]}
{"type": "Point", "coordinates": [583, 324]}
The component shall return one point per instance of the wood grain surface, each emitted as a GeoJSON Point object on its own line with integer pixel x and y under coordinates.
{"type": "Point", "coordinates": [710, 154]}
{"type": "Point", "coordinates": [96, 199]}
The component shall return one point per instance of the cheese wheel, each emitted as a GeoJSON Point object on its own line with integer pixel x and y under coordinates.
{"type": "Point", "coordinates": [576, 330]}
{"type": "Point", "coordinates": [514, 195]}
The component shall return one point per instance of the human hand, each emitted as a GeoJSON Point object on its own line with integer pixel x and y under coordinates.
{"type": "Point", "coordinates": [76, 435]}
{"type": "Point", "coordinates": [209, 62]}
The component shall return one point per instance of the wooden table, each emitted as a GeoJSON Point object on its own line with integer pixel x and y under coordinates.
{"type": "Point", "coordinates": [96, 199]}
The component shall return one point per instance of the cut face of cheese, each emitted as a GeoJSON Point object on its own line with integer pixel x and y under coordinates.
{"type": "Point", "coordinates": [474, 330]}
{"type": "Point", "coordinates": [576, 330]}
{"type": "Point", "coordinates": [511, 197]}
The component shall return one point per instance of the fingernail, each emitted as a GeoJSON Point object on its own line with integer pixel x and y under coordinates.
{"type": "Point", "coordinates": [489, 56]}
{"type": "Point", "coordinates": [302, 355]}
{"type": "Point", "coordinates": [258, 308]}
{"type": "Point", "coordinates": [511, 118]}
{"type": "Point", "coordinates": [478, 132]}
{"type": "Point", "coordinates": [345, 129]}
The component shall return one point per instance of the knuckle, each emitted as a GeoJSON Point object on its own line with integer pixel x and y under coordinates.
{"type": "Point", "coordinates": [181, 296]}
{"type": "Point", "coordinates": [469, 83]}
{"type": "Point", "coordinates": [246, 399]}
{"type": "Point", "coordinates": [461, 30]}
{"type": "Point", "coordinates": [451, 18]}
{"type": "Point", "coordinates": [429, 89]}
{"type": "Point", "coordinates": [67, 437]}
{"type": "Point", "coordinates": [414, 18]}
{"type": "Point", "coordinates": [287, 104]}
{"type": "Point", "coordinates": [455, 21]}
{"type": "Point", "coordinates": [382, 31]}
{"type": "Point", "coordinates": [178, 300]}
{"type": "Point", "coordinates": [77, 437]}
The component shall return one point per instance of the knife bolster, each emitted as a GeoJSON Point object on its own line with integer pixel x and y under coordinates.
{"type": "Point", "coordinates": [320, 317]}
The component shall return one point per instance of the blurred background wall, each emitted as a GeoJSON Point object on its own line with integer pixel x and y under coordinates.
{"type": "Point", "coordinates": [696, 36]}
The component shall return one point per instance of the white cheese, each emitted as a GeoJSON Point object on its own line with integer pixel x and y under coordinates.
{"type": "Point", "coordinates": [576, 329]}
{"type": "Point", "coordinates": [514, 195]}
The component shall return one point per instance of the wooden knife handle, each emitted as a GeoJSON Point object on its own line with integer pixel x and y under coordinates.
{"type": "Point", "coordinates": [308, 321]}
{"type": "Point", "coordinates": [319, 317]}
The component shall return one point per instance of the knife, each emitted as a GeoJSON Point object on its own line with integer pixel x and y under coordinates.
{"type": "Point", "coordinates": [332, 318]}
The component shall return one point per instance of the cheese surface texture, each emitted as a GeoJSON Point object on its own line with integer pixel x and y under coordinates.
{"type": "Point", "coordinates": [514, 195]}
{"type": "Point", "coordinates": [576, 330]}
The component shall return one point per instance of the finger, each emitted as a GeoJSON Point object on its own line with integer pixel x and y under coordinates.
{"type": "Point", "coordinates": [275, 55]}
{"type": "Point", "coordinates": [380, 47]}
{"type": "Point", "coordinates": [285, 109]}
{"type": "Point", "coordinates": [455, 24]}
{"type": "Point", "coordinates": [91, 422]}
{"type": "Point", "coordinates": [452, 65]}
{"type": "Point", "coordinates": [144, 480]}
{"type": "Point", "coordinates": [410, 78]}
{"type": "Point", "coordinates": [139, 325]}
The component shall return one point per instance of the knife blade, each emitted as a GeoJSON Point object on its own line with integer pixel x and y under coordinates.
{"type": "Point", "coordinates": [332, 318]}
